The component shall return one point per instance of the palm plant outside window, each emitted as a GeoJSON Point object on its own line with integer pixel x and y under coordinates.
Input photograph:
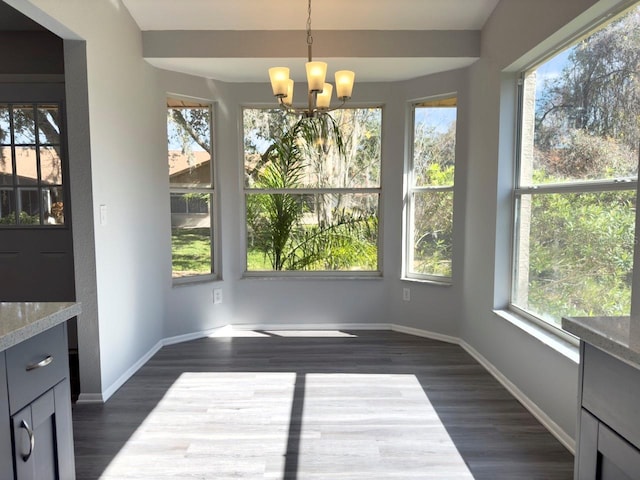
{"type": "Point", "coordinates": [575, 198]}
{"type": "Point", "coordinates": [312, 191]}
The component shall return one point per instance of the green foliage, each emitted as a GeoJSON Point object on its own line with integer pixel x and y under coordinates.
{"type": "Point", "coordinates": [433, 232]}
{"type": "Point", "coordinates": [25, 219]}
{"type": "Point", "coordinates": [581, 253]}
{"type": "Point", "coordinates": [305, 231]}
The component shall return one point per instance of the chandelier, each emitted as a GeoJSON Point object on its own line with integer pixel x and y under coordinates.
{"type": "Point", "coordinates": [319, 97]}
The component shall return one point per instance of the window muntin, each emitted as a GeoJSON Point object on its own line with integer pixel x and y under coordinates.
{"type": "Point", "coordinates": [430, 192]}
{"type": "Point", "coordinates": [310, 207]}
{"type": "Point", "coordinates": [31, 180]}
{"type": "Point", "coordinates": [576, 186]}
{"type": "Point", "coordinates": [191, 181]}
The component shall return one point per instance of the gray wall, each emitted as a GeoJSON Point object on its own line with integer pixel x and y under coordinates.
{"type": "Point", "coordinates": [128, 173]}
{"type": "Point", "coordinates": [517, 33]}
{"type": "Point", "coordinates": [363, 302]}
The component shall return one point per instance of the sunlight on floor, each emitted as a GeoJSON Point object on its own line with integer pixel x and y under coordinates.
{"type": "Point", "coordinates": [240, 425]}
{"type": "Point", "coordinates": [309, 333]}
{"type": "Point", "coordinates": [230, 331]}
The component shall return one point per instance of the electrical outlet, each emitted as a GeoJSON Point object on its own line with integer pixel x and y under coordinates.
{"type": "Point", "coordinates": [406, 294]}
{"type": "Point", "coordinates": [217, 296]}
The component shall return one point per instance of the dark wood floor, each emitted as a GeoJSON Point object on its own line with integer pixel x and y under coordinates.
{"type": "Point", "coordinates": [364, 405]}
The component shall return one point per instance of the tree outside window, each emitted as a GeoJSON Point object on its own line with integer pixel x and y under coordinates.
{"type": "Point", "coordinates": [191, 188]}
{"type": "Point", "coordinates": [430, 193]}
{"type": "Point", "coordinates": [577, 175]}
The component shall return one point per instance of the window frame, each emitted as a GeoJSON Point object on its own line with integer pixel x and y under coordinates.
{"type": "Point", "coordinates": [312, 274]}
{"type": "Point", "coordinates": [411, 189]}
{"type": "Point", "coordinates": [40, 186]}
{"type": "Point", "coordinates": [211, 191]}
{"type": "Point", "coordinates": [568, 187]}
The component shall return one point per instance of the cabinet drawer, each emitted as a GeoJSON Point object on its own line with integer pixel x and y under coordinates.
{"type": "Point", "coordinates": [36, 365]}
{"type": "Point", "coordinates": [611, 392]}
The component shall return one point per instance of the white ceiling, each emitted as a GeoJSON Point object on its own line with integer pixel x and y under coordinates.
{"type": "Point", "coordinates": [326, 14]}
{"type": "Point", "coordinates": [261, 15]}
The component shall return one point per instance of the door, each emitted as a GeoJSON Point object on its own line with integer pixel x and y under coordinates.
{"type": "Point", "coordinates": [36, 250]}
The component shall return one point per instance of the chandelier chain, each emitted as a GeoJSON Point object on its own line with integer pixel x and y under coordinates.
{"type": "Point", "coordinates": [319, 91]}
{"type": "Point", "coordinates": [309, 37]}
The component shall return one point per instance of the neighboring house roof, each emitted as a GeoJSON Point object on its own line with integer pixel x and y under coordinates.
{"type": "Point", "coordinates": [180, 162]}
{"type": "Point", "coordinates": [27, 165]}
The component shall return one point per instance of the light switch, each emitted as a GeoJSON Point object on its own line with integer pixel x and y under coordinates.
{"type": "Point", "coordinates": [103, 215]}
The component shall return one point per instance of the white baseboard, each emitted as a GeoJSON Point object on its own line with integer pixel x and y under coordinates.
{"type": "Point", "coordinates": [416, 332]}
{"type": "Point", "coordinates": [537, 412]}
{"type": "Point", "coordinates": [113, 388]}
{"type": "Point", "coordinates": [191, 336]}
{"type": "Point", "coordinates": [313, 326]}
{"type": "Point", "coordinates": [562, 436]}
{"type": "Point", "coordinates": [90, 398]}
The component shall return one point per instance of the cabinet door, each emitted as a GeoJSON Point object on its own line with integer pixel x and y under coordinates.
{"type": "Point", "coordinates": [35, 446]}
{"type": "Point", "coordinates": [617, 459]}
{"type": "Point", "coordinates": [43, 443]}
{"type": "Point", "coordinates": [6, 472]}
{"type": "Point", "coordinates": [603, 454]}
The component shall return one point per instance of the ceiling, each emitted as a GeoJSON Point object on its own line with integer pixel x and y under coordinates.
{"type": "Point", "coordinates": [242, 60]}
{"type": "Point", "coordinates": [437, 36]}
{"type": "Point", "coordinates": [326, 14]}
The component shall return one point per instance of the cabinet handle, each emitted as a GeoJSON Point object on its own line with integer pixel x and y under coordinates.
{"type": "Point", "coordinates": [42, 363]}
{"type": "Point", "coordinates": [32, 440]}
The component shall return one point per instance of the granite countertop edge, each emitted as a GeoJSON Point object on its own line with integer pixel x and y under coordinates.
{"type": "Point", "coordinates": [609, 334]}
{"type": "Point", "coordinates": [62, 312]}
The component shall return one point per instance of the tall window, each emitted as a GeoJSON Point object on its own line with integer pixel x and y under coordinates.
{"type": "Point", "coordinates": [430, 193]}
{"type": "Point", "coordinates": [31, 190]}
{"type": "Point", "coordinates": [577, 173]}
{"type": "Point", "coordinates": [191, 188]}
{"type": "Point", "coordinates": [312, 191]}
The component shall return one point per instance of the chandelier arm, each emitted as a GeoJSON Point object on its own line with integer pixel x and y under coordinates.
{"type": "Point", "coordinates": [292, 109]}
{"type": "Point", "coordinates": [327, 110]}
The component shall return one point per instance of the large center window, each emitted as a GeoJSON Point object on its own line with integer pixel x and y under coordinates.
{"type": "Point", "coordinates": [312, 191]}
{"type": "Point", "coordinates": [577, 175]}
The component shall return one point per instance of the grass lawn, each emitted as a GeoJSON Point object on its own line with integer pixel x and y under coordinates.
{"type": "Point", "coordinates": [190, 251]}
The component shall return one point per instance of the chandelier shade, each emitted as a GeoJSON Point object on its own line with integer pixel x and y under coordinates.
{"type": "Point", "coordinates": [279, 77]}
{"type": "Point", "coordinates": [318, 91]}
{"type": "Point", "coordinates": [344, 84]}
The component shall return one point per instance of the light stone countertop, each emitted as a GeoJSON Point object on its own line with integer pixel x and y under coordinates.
{"type": "Point", "coordinates": [612, 335]}
{"type": "Point", "coordinates": [20, 321]}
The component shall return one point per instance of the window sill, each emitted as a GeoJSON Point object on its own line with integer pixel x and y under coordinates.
{"type": "Point", "coordinates": [306, 276]}
{"type": "Point", "coordinates": [428, 281]}
{"type": "Point", "coordinates": [186, 281]}
{"type": "Point", "coordinates": [567, 348]}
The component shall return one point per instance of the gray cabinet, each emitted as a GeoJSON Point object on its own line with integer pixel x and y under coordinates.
{"type": "Point", "coordinates": [6, 472]}
{"type": "Point", "coordinates": [38, 410]}
{"type": "Point", "coordinates": [609, 418]}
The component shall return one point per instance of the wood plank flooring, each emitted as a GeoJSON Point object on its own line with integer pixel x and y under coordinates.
{"type": "Point", "coordinates": [294, 405]}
